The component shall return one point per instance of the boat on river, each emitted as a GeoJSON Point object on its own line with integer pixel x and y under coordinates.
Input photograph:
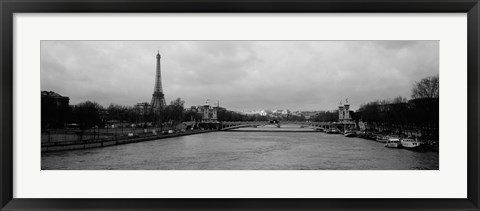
{"type": "Point", "coordinates": [333, 131]}
{"type": "Point", "coordinates": [350, 133]}
{"type": "Point", "coordinates": [412, 144]}
{"type": "Point", "coordinates": [393, 142]}
{"type": "Point", "coordinates": [382, 139]}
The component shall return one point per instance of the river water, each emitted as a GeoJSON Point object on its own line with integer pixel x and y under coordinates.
{"type": "Point", "coordinates": [272, 149]}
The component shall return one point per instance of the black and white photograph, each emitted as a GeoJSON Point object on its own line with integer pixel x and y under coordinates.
{"type": "Point", "coordinates": [240, 105]}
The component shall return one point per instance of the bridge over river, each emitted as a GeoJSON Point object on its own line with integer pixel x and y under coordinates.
{"type": "Point", "coordinates": [274, 128]}
{"type": "Point", "coordinates": [262, 125]}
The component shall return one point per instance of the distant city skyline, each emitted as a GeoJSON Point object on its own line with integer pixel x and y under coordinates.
{"type": "Point", "coordinates": [241, 75]}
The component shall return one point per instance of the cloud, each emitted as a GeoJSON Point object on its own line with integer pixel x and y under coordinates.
{"type": "Point", "coordinates": [242, 75]}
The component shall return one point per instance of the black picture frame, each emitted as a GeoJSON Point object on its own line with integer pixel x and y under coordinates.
{"type": "Point", "coordinates": [9, 7]}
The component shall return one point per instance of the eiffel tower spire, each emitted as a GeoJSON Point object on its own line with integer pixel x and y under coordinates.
{"type": "Point", "coordinates": [158, 99]}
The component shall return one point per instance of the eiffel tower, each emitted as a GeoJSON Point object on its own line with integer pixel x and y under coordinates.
{"type": "Point", "coordinates": [158, 99]}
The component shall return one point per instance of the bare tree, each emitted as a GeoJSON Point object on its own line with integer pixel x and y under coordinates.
{"type": "Point", "coordinates": [426, 88]}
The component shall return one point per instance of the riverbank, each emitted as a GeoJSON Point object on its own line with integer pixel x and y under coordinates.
{"type": "Point", "coordinates": [87, 144]}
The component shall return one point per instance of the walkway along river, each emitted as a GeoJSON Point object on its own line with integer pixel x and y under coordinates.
{"type": "Point", "coordinates": [245, 151]}
{"type": "Point", "coordinates": [63, 140]}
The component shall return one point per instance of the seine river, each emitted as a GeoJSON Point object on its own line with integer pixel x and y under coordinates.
{"type": "Point", "coordinates": [253, 150]}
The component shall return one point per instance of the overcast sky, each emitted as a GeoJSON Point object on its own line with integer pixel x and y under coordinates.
{"type": "Point", "coordinates": [242, 75]}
